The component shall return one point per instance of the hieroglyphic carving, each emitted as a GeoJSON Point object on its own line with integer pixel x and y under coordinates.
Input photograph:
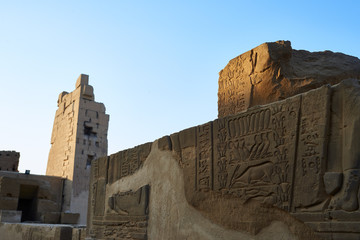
{"type": "Point", "coordinates": [232, 92]}
{"type": "Point", "coordinates": [130, 163]}
{"type": "Point", "coordinates": [204, 157]}
{"type": "Point", "coordinates": [127, 212]}
{"type": "Point", "coordinates": [130, 203]}
{"type": "Point", "coordinates": [95, 176]}
{"type": "Point", "coordinates": [97, 186]}
{"type": "Point", "coordinates": [126, 162]}
{"type": "Point", "coordinates": [285, 128]}
{"type": "Point", "coordinates": [255, 153]}
{"type": "Point", "coordinates": [313, 136]}
{"type": "Point", "coordinates": [221, 160]}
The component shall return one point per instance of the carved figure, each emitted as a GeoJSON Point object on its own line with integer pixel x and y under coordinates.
{"type": "Point", "coordinates": [349, 92]}
{"type": "Point", "coordinates": [252, 175]}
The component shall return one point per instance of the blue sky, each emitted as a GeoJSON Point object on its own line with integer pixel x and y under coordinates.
{"type": "Point", "coordinates": [154, 64]}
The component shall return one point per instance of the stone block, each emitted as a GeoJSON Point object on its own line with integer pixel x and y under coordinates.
{"type": "Point", "coordinates": [274, 71]}
{"type": "Point", "coordinates": [61, 97]}
{"type": "Point", "coordinates": [69, 218]}
{"type": "Point", "coordinates": [83, 79]}
{"type": "Point", "coordinates": [310, 216]}
{"type": "Point", "coordinates": [333, 182]}
{"type": "Point", "coordinates": [10, 216]}
{"type": "Point", "coordinates": [88, 92]}
{"type": "Point", "coordinates": [8, 203]}
{"type": "Point", "coordinates": [332, 226]}
{"type": "Point", "coordinates": [175, 142]}
{"type": "Point", "coordinates": [136, 235]}
{"type": "Point", "coordinates": [50, 217]}
{"type": "Point", "coordinates": [21, 231]}
{"type": "Point", "coordinates": [9, 187]}
{"type": "Point", "coordinates": [187, 137]}
{"type": "Point", "coordinates": [130, 203]}
{"type": "Point", "coordinates": [45, 205]}
{"type": "Point", "coordinates": [164, 143]}
{"type": "Point", "coordinates": [79, 233]}
{"type": "Point", "coordinates": [339, 236]}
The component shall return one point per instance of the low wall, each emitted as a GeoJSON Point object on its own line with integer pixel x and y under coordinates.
{"type": "Point", "coordinates": [27, 231]}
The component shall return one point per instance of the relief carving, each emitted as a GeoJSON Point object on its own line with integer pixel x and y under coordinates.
{"type": "Point", "coordinates": [130, 203]}
{"type": "Point", "coordinates": [252, 152]}
{"type": "Point", "coordinates": [312, 148]}
{"type": "Point", "coordinates": [204, 157]}
{"type": "Point", "coordinates": [122, 215]}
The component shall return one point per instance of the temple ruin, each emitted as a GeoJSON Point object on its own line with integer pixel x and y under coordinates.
{"type": "Point", "coordinates": [55, 206]}
{"type": "Point", "coordinates": [79, 136]}
{"type": "Point", "coordinates": [281, 162]}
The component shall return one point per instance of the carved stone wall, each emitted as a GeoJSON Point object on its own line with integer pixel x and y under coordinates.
{"type": "Point", "coordinates": [274, 71]}
{"type": "Point", "coordinates": [79, 136]}
{"type": "Point", "coordinates": [290, 168]}
{"type": "Point", "coordinates": [122, 215]}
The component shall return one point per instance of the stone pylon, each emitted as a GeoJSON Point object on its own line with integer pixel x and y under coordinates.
{"type": "Point", "coordinates": [79, 136]}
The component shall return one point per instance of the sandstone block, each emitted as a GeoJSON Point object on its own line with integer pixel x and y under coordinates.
{"type": "Point", "coordinates": [8, 203]}
{"type": "Point", "coordinates": [50, 217]}
{"type": "Point", "coordinates": [47, 206]}
{"type": "Point", "coordinates": [10, 216]}
{"type": "Point", "coordinates": [17, 231]}
{"type": "Point", "coordinates": [69, 218]}
{"type": "Point", "coordinates": [333, 182]}
{"type": "Point", "coordinates": [165, 143]}
{"type": "Point", "coordinates": [83, 79]}
{"type": "Point", "coordinates": [274, 71]}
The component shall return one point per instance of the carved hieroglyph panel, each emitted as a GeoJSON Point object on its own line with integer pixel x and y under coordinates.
{"type": "Point", "coordinates": [127, 214]}
{"type": "Point", "coordinates": [312, 147]}
{"type": "Point", "coordinates": [204, 158]}
{"type": "Point", "coordinates": [234, 90]}
{"type": "Point", "coordinates": [126, 162]}
{"type": "Point", "coordinates": [130, 203]}
{"type": "Point", "coordinates": [254, 153]}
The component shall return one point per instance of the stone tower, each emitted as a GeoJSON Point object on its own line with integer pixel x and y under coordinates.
{"type": "Point", "coordinates": [79, 136]}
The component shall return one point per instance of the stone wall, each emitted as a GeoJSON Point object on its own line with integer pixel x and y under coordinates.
{"type": "Point", "coordinates": [79, 136]}
{"type": "Point", "coordinates": [9, 161]}
{"type": "Point", "coordinates": [9, 231]}
{"type": "Point", "coordinates": [274, 71]}
{"type": "Point", "coordinates": [35, 197]}
{"type": "Point", "coordinates": [288, 169]}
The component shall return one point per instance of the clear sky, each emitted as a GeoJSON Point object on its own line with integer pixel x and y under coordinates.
{"type": "Point", "coordinates": [154, 64]}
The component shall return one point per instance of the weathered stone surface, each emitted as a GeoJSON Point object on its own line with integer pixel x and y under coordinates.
{"type": "Point", "coordinates": [79, 136]}
{"type": "Point", "coordinates": [312, 147]}
{"type": "Point", "coordinates": [332, 182]}
{"type": "Point", "coordinates": [21, 231]}
{"type": "Point", "coordinates": [165, 143]}
{"type": "Point", "coordinates": [69, 218]}
{"type": "Point", "coordinates": [172, 217]}
{"type": "Point", "coordinates": [273, 168]}
{"type": "Point", "coordinates": [118, 215]}
{"type": "Point", "coordinates": [79, 233]}
{"type": "Point", "coordinates": [274, 71]}
{"type": "Point", "coordinates": [9, 161]}
{"type": "Point", "coordinates": [281, 162]}
{"type": "Point", "coordinates": [50, 217]}
{"type": "Point", "coordinates": [10, 216]}
{"type": "Point", "coordinates": [34, 195]}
